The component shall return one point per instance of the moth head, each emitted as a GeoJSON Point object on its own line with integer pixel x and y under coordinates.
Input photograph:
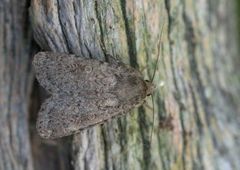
{"type": "Point", "coordinates": [150, 87]}
{"type": "Point", "coordinates": [133, 89]}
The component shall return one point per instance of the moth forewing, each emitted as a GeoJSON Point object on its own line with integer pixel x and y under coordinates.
{"type": "Point", "coordinates": [84, 92]}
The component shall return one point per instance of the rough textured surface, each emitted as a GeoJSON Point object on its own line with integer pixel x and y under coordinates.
{"type": "Point", "coordinates": [85, 92]}
{"type": "Point", "coordinates": [198, 79]}
{"type": "Point", "coordinates": [15, 86]}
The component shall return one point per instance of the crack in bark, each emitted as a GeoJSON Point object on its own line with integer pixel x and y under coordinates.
{"type": "Point", "coordinates": [62, 26]}
{"type": "Point", "coordinates": [146, 44]}
{"type": "Point", "coordinates": [200, 130]}
{"type": "Point", "coordinates": [177, 95]}
{"type": "Point", "coordinates": [145, 140]}
{"type": "Point", "coordinates": [191, 46]}
{"type": "Point", "coordinates": [131, 37]}
{"type": "Point", "coordinates": [76, 26]}
{"type": "Point", "coordinates": [104, 137]}
{"type": "Point", "coordinates": [99, 19]}
{"type": "Point", "coordinates": [161, 110]}
{"type": "Point", "coordinates": [123, 139]}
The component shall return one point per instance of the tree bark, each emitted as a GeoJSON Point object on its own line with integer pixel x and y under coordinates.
{"type": "Point", "coordinates": [15, 86]}
{"type": "Point", "coordinates": [196, 111]}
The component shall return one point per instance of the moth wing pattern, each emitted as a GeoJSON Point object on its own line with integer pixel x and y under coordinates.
{"type": "Point", "coordinates": [60, 117]}
{"type": "Point", "coordinates": [62, 73]}
{"type": "Point", "coordinates": [84, 92]}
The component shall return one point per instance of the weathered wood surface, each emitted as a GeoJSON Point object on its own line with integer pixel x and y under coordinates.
{"type": "Point", "coordinates": [198, 84]}
{"type": "Point", "coordinates": [15, 86]}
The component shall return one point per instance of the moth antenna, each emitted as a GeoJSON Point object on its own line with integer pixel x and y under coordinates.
{"type": "Point", "coordinates": [158, 54]}
{"type": "Point", "coordinates": [151, 134]}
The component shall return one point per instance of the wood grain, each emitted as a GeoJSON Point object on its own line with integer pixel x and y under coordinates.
{"type": "Point", "coordinates": [15, 86]}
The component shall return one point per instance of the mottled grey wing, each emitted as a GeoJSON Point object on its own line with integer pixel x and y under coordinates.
{"type": "Point", "coordinates": [84, 92]}
{"type": "Point", "coordinates": [60, 117]}
{"type": "Point", "coordinates": [61, 73]}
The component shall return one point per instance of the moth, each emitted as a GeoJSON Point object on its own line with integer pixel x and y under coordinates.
{"type": "Point", "coordinates": [85, 92]}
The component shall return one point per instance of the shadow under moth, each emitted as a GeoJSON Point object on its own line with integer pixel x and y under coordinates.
{"type": "Point", "coordinates": [84, 92]}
